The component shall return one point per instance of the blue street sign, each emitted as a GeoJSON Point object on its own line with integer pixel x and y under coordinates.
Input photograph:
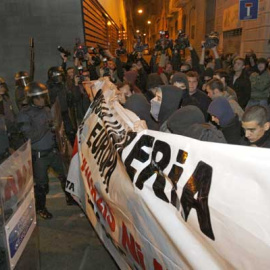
{"type": "Point", "coordinates": [248, 9]}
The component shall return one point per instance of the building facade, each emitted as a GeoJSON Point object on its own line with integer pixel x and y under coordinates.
{"type": "Point", "coordinates": [199, 17]}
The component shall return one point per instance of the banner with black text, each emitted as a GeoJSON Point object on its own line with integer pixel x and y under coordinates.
{"type": "Point", "coordinates": [163, 201]}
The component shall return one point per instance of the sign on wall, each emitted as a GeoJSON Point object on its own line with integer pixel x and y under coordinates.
{"type": "Point", "coordinates": [248, 9]}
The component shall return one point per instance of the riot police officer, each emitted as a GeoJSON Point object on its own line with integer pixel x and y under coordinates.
{"type": "Point", "coordinates": [6, 109]}
{"type": "Point", "coordinates": [22, 78]}
{"type": "Point", "coordinates": [57, 89]}
{"type": "Point", "coordinates": [36, 123]}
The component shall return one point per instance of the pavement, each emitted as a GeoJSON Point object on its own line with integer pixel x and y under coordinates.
{"type": "Point", "coordinates": [68, 241]}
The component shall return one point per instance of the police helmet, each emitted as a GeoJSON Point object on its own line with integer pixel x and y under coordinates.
{"type": "Point", "coordinates": [22, 78]}
{"type": "Point", "coordinates": [56, 74]}
{"type": "Point", "coordinates": [35, 90]}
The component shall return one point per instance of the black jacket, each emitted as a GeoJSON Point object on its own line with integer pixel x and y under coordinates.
{"type": "Point", "coordinates": [200, 100]}
{"type": "Point", "coordinates": [138, 104]}
{"type": "Point", "coordinates": [232, 131]}
{"type": "Point", "coordinates": [36, 124]}
{"type": "Point", "coordinates": [171, 100]}
{"type": "Point", "coordinates": [264, 141]}
{"type": "Point", "coordinates": [242, 87]}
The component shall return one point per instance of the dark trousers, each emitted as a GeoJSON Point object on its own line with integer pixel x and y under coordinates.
{"type": "Point", "coordinates": [42, 161]}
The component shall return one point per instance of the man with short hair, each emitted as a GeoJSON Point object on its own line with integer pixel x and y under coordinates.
{"type": "Point", "coordinates": [202, 99]}
{"type": "Point", "coordinates": [240, 82]}
{"type": "Point", "coordinates": [256, 124]}
{"type": "Point", "coordinates": [215, 88]}
{"type": "Point", "coordinates": [223, 75]}
{"type": "Point", "coordinates": [185, 68]}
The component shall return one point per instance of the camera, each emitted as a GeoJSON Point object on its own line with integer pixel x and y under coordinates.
{"type": "Point", "coordinates": [120, 50]}
{"type": "Point", "coordinates": [81, 51]}
{"type": "Point", "coordinates": [80, 74]}
{"type": "Point", "coordinates": [182, 41]}
{"type": "Point", "coordinates": [212, 40]}
{"type": "Point", "coordinates": [164, 42]}
{"type": "Point", "coordinates": [62, 50]}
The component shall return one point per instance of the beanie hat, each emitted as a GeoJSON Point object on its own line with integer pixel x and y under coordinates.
{"type": "Point", "coordinates": [221, 108]}
{"type": "Point", "coordinates": [180, 77]}
{"type": "Point", "coordinates": [183, 118]}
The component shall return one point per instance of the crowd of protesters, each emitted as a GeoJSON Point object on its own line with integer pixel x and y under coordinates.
{"type": "Point", "coordinates": [215, 98]}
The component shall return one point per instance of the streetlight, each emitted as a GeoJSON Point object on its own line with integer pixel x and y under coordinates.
{"type": "Point", "coordinates": [140, 11]}
{"type": "Point", "coordinates": [148, 22]}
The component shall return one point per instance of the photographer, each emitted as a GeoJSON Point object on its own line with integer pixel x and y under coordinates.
{"type": "Point", "coordinates": [251, 62]}
{"type": "Point", "coordinates": [153, 62]}
{"type": "Point", "coordinates": [57, 89]}
{"type": "Point", "coordinates": [111, 67]}
{"type": "Point", "coordinates": [214, 65]}
{"type": "Point", "coordinates": [80, 97]}
{"type": "Point", "coordinates": [93, 63]}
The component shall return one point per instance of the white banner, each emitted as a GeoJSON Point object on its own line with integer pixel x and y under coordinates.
{"type": "Point", "coordinates": [163, 201]}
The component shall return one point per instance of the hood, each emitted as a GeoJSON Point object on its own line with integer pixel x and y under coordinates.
{"type": "Point", "coordinates": [180, 77]}
{"type": "Point", "coordinates": [138, 104]}
{"type": "Point", "coordinates": [221, 108]}
{"type": "Point", "coordinates": [171, 98]}
{"type": "Point", "coordinates": [183, 118]}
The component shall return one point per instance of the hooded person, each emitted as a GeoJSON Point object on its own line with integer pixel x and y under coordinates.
{"type": "Point", "coordinates": [223, 115]}
{"type": "Point", "coordinates": [189, 121]}
{"type": "Point", "coordinates": [165, 103]}
{"type": "Point", "coordinates": [138, 104]}
{"type": "Point", "coordinates": [131, 77]}
{"type": "Point", "coordinates": [180, 80]}
{"type": "Point", "coordinates": [154, 80]}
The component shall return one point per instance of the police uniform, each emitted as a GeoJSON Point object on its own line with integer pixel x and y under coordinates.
{"type": "Point", "coordinates": [36, 123]}
{"type": "Point", "coordinates": [6, 109]}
